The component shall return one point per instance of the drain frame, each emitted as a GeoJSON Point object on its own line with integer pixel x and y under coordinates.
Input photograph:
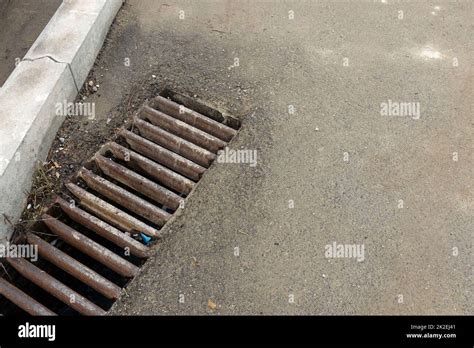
{"type": "Point", "coordinates": [132, 186]}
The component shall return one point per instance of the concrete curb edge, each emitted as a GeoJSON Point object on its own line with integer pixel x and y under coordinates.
{"type": "Point", "coordinates": [52, 71]}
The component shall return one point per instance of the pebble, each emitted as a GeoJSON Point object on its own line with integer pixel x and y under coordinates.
{"type": "Point", "coordinates": [61, 140]}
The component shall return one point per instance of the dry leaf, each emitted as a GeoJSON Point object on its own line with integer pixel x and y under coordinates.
{"type": "Point", "coordinates": [195, 262]}
{"type": "Point", "coordinates": [212, 305]}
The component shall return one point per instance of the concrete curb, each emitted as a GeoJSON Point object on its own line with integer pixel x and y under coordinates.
{"type": "Point", "coordinates": [51, 72]}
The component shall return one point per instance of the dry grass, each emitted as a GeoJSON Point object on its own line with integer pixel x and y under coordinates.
{"type": "Point", "coordinates": [41, 192]}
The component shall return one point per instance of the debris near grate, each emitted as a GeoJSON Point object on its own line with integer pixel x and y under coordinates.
{"type": "Point", "coordinates": [126, 193]}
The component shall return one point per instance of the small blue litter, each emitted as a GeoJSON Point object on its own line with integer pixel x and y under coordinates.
{"type": "Point", "coordinates": [145, 238]}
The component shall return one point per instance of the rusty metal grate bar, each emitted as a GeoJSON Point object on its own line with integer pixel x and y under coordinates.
{"type": "Point", "coordinates": [22, 300]}
{"type": "Point", "coordinates": [126, 193]}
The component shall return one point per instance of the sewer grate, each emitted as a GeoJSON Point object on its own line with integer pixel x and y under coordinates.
{"type": "Point", "coordinates": [127, 192]}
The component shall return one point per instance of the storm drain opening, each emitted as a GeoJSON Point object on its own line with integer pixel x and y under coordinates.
{"type": "Point", "coordinates": [93, 240]}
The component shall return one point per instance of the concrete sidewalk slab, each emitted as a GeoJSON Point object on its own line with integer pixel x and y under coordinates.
{"type": "Point", "coordinates": [25, 20]}
{"type": "Point", "coordinates": [75, 34]}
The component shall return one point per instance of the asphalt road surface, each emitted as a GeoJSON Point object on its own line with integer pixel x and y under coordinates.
{"type": "Point", "coordinates": [361, 115]}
